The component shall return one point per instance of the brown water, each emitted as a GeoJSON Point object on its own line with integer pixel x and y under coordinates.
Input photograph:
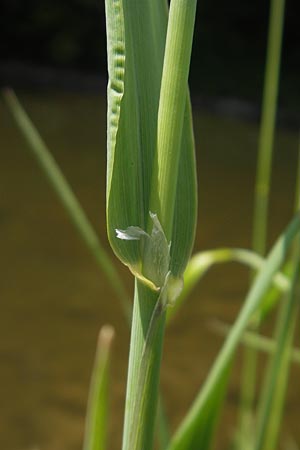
{"type": "Point", "coordinates": [54, 299]}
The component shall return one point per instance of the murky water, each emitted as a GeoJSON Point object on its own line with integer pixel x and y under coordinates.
{"type": "Point", "coordinates": [54, 299]}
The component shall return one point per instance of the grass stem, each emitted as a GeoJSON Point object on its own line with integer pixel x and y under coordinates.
{"type": "Point", "coordinates": [67, 197]}
{"type": "Point", "coordinates": [95, 437]}
{"type": "Point", "coordinates": [143, 371]}
{"type": "Point", "coordinates": [262, 186]}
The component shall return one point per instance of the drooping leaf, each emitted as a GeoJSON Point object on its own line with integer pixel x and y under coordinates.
{"type": "Point", "coordinates": [191, 430]}
{"type": "Point", "coordinates": [201, 262]}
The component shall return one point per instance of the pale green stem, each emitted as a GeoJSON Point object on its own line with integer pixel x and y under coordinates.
{"type": "Point", "coordinates": [67, 197]}
{"type": "Point", "coordinates": [266, 135]}
{"type": "Point", "coordinates": [275, 384]}
{"type": "Point", "coordinates": [262, 187]}
{"type": "Point", "coordinates": [274, 388]}
{"type": "Point", "coordinates": [173, 96]}
{"type": "Point", "coordinates": [144, 378]}
{"type": "Point", "coordinates": [143, 371]}
{"type": "Point", "coordinates": [95, 436]}
{"type": "Point", "coordinates": [148, 318]}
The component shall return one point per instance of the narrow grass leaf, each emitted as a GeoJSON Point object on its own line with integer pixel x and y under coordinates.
{"type": "Point", "coordinates": [274, 294]}
{"type": "Point", "coordinates": [67, 197]}
{"type": "Point", "coordinates": [267, 126]}
{"type": "Point", "coordinates": [259, 342]}
{"type": "Point", "coordinates": [274, 387]}
{"type": "Point", "coordinates": [190, 429]}
{"type": "Point", "coordinates": [95, 437]}
{"type": "Point", "coordinates": [262, 185]}
{"type": "Point", "coordinates": [201, 262]}
{"type": "Point", "coordinates": [172, 113]}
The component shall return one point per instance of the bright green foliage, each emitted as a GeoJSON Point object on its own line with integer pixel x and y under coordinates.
{"type": "Point", "coordinates": [262, 186]}
{"type": "Point", "coordinates": [201, 262]}
{"type": "Point", "coordinates": [136, 34]}
{"type": "Point", "coordinates": [151, 180]}
{"type": "Point", "coordinates": [267, 127]}
{"type": "Point", "coordinates": [273, 296]}
{"type": "Point", "coordinates": [97, 412]}
{"type": "Point", "coordinates": [151, 216]}
{"type": "Point", "coordinates": [194, 427]}
{"type": "Point", "coordinates": [274, 387]}
{"type": "Point", "coordinates": [143, 370]}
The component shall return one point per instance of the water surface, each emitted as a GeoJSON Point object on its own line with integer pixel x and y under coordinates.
{"type": "Point", "coordinates": [54, 299]}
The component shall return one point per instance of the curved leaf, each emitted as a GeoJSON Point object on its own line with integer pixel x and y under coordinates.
{"type": "Point", "coordinates": [192, 428]}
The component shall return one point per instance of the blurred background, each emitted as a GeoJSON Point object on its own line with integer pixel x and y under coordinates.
{"type": "Point", "coordinates": [54, 298]}
{"type": "Point", "coordinates": [39, 38]}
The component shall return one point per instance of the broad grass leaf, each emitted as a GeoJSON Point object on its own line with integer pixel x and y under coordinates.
{"type": "Point", "coordinates": [136, 40]}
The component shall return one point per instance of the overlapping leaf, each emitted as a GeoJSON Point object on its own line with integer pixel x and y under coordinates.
{"type": "Point", "coordinates": [136, 42]}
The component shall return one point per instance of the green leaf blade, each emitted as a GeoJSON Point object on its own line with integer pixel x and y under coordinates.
{"type": "Point", "coordinates": [186, 201]}
{"type": "Point", "coordinates": [132, 159]}
{"type": "Point", "coordinates": [190, 430]}
{"type": "Point", "coordinates": [95, 437]}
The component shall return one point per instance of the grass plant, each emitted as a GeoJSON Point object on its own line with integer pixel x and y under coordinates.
{"type": "Point", "coordinates": [267, 125]}
{"type": "Point", "coordinates": [262, 190]}
{"type": "Point", "coordinates": [151, 219]}
{"type": "Point", "coordinates": [271, 404]}
{"type": "Point", "coordinates": [154, 233]}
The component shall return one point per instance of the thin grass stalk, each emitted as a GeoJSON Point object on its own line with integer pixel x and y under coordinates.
{"type": "Point", "coordinates": [259, 342]}
{"type": "Point", "coordinates": [263, 181]}
{"type": "Point", "coordinates": [274, 388]}
{"type": "Point", "coordinates": [297, 196]}
{"type": "Point", "coordinates": [66, 196]}
{"type": "Point", "coordinates": [172, 103]}
{"type": "Point", "coordinates": [95, 437]}
{"type": "Point", "coordinates": [267, 127]}
{"type": "Point", "coordinates": [139, 430]}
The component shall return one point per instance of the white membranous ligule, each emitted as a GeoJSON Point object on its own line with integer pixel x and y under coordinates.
{"type": "Point", "coordinates": [154, 269]}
